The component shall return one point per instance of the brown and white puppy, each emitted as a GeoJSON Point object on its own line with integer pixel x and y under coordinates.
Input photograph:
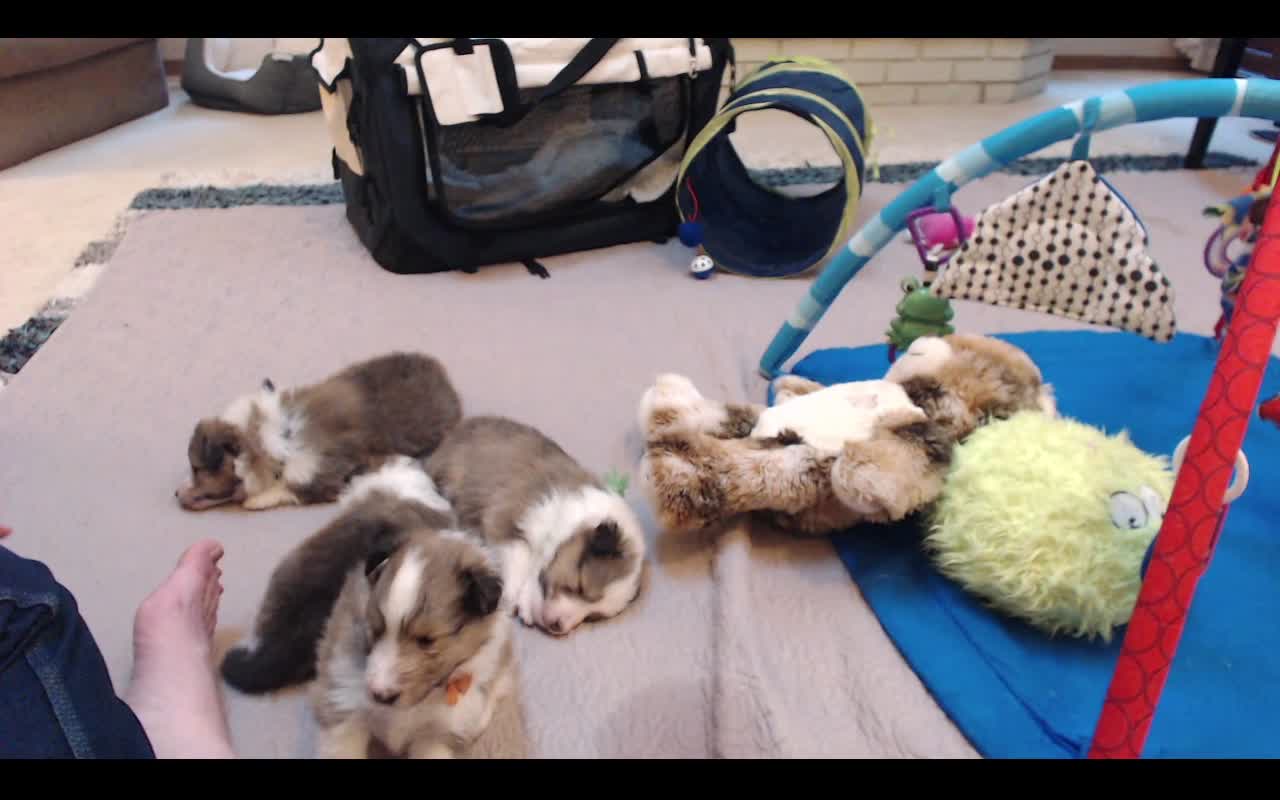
{"type": "Point", "coordinates": [379, 509]}
{"type": "Point", "coordinates": [572, 550]}
{"type": "Point", "coordinates": [417, 653]}
{"type": "Point", "coordinates": [825, 459]}
{"type": "Point", "coordinates": [301, 446]}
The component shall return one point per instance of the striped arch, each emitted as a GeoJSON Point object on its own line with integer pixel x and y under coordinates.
{"type": "Point", "coordinates": [1196, 98]}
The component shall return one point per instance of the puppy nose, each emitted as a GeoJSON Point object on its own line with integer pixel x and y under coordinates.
{"type": "Point", "coordinates": [385, 697]}
{"type": "Point", "coordinates": [556, 626]}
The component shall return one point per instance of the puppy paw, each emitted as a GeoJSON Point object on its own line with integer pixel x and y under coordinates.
{"type": "Point", "coordinates": [348, 739]}
{"type": "Point", "coordinates": [674, 403]}
{"type": "Point", "coordinates": [271, 498]}
{"type": "Point", "coordinates": [431, 750]}
{"type": "Point", "coordinates": [670, 397]}
{"type": "Point", "coordinates": [885, 479]}
{"type": "Point", "coordinates": [528, 603]}
{"type": "Point", "coordinates": [524, 614]}
{"type": "Point", "coordinates": [258, 502]}
{"type": "Point", "coordinates": [791, 386]}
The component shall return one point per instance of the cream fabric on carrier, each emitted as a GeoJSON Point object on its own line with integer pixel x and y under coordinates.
{"type": "Point", "coordinates": [463, 87]}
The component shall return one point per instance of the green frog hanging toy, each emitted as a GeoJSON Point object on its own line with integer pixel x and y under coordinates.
{"type": "Point", "coordinates": [920, 313]}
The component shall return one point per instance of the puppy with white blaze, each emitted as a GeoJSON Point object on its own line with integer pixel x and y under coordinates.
{"type": "Point", "coordinates": [572, 550]}
{"type": "Point", "coordinates": [301, 446]}
{"type": "Point", "coordinates": [378, 510]}
{"type": "Point", "coordinates": [417, 654]}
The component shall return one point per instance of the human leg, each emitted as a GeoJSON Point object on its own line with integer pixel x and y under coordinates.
{"type": "Point", "coordinates": [56, 696]}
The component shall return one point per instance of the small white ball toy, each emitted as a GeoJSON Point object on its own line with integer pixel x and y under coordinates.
{"type": "Point", "coordinates": [702, 267]}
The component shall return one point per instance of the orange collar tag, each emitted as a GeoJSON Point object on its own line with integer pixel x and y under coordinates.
{"type": "Point", "coordinates": [456, 688]}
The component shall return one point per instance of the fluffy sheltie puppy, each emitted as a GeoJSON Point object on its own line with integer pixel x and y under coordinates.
{"type": "Point", "coordinates": [416, 655]}
{"type": "Point", "coordinates": [572, 550]}
{"type": "Point", "coordinates": [378, 510]}
{"type": "Point", "coordinates": [301, 446]}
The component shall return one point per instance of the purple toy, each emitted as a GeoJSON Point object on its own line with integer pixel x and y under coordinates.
{"type": "Point", "coordinates": [936, 235]}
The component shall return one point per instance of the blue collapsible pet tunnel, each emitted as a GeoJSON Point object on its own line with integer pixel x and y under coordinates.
{"type": "Point", "coordinates": [748, 228]}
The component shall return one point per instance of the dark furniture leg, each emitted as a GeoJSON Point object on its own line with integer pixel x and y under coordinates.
{"type": "Point", "coordinates": [1225, 65]}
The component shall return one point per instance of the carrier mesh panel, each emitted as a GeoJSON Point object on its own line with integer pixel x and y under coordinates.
{"type": "Point", "coordinates": [571, 148]}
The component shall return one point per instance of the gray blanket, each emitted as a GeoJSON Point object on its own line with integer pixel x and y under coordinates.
{"type": "Point", "coordinates": [743, 645]}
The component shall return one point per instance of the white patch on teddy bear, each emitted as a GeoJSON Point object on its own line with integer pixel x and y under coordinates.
{"type": "Point", "coordinates": [830, 417]}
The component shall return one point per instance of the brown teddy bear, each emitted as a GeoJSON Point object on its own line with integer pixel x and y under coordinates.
{"type": "Point", "coordinates": [823, 459]}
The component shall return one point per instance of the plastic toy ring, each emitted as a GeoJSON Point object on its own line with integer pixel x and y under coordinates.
{"type": "Point", "coordinates": [1208, 251]}
{"type": "Point", "coordinates": [1238, 484]}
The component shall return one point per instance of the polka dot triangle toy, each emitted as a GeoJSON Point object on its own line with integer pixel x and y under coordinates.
{"type": "Point", "coordinates": [1067, 245]}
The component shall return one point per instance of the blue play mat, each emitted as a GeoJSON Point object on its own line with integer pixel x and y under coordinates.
{"type": "Point", "coordinates": [1017, 694]}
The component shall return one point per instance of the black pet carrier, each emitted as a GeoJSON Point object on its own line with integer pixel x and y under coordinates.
{"type": "Point", "coordinates": [461, 153]}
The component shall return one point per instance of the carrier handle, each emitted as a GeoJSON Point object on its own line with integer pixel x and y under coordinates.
{"type": "Point", "coordinates": [577, 68]}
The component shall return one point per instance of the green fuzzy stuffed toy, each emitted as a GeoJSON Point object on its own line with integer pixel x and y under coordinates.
{"type": "Point", "coordinates": [1048, 520]}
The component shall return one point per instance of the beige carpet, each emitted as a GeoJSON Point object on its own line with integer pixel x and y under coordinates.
{"type": "Point", "coordinates": [750, 646]}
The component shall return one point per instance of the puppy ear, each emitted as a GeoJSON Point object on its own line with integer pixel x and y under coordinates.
{"type": "Point", "coordinates": [605, 541]}
{"type": "Point", "coordinates": [481, 591]}
{"type": "Point", "coordinates": [212, 453]}
{"type": "Point", "coordinates": [384, 536]}
{"type": "Point", "coordinates": [211, 442]}
{"type": "Point", "coordinates": [196, 444]}
{"type": "Point", "coordinates": [374, 563]}
{"type": "Point", "coordinates": [268, 385]}
{"type": "Point", "coordinates": [231, 444]}
{"type": "Point", "coordinates": [382, 539]}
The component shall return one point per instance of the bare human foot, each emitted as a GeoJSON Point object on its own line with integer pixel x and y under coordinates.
{"type": "Point", "coordinates": [174, 691]}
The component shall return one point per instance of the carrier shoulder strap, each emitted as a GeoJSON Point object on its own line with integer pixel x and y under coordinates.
{"type": "Point", "coordinates": [583, 62]}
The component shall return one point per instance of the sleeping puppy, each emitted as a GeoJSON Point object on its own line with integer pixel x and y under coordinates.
{"type": "Point", "coordinates": [301, 446]}
{"type": "Point", "coordinates": [378, 510]}
{"type": "Point", "coordinates": [417, 655]}
{"type": "Point", "coordinates": [572, 551]}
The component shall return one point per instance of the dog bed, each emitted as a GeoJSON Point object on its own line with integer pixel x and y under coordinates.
{"type": "Point", "coordinates": [1015, 693]}
{"type": "Point", "coordinates": [261, 76]}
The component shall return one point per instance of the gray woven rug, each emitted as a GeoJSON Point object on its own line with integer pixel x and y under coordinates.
{"type": "Point", "coordinates": [20, 344]}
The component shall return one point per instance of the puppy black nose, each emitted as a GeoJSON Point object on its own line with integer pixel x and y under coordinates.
{"type": "Point", "coordinates": [386, 698]}
{"type": "Point", "coordinates": [556, 626]}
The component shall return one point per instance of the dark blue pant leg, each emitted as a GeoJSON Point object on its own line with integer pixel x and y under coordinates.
{"type": "Point", "coordinates": [56, 697]}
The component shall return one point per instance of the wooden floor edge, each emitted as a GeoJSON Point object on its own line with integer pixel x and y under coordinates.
{"type": "Point", "coordinates": [1082, 62]}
